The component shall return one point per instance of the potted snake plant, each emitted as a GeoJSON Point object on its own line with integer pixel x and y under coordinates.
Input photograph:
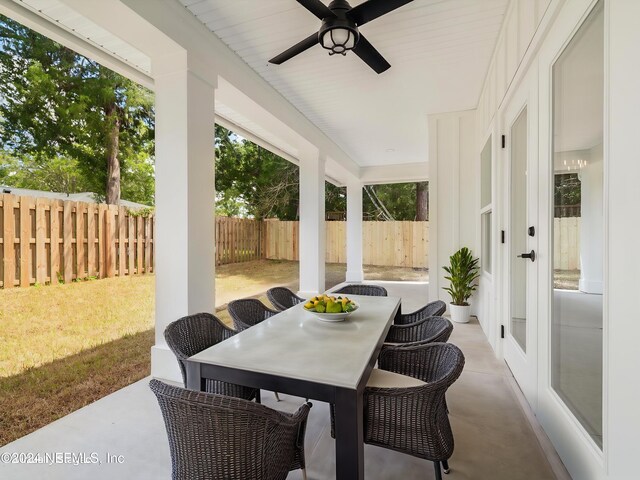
{"type": "Point", "coordinates": [462, 273]}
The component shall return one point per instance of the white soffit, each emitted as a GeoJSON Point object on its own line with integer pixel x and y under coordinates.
{"type": "Point", "coordinates": [60, 14]}
{"type": "Point", "coordinates": [439, 52]}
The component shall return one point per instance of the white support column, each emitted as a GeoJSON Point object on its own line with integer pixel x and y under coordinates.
{"type": "Point", "coordinates": [312, 224]}
{"type": "Point", "coordinates": [354, 232]}
{"type": "Point", "coordinates": [185, 204]}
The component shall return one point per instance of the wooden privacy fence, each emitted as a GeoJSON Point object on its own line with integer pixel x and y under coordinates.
{"type": "Point", "coordinates": [566, 243]}
{"type": "Point", "coordinates": [396, 244]}
{"type": "Point", "coordinates": [45, 240]}
{"type": "Point", "coordinates": [238, 240]}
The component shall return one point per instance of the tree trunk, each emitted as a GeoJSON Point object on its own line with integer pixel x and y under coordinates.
{"type": "Point", "coordinates": [422, 201]}
{"type": "Point", "coordinates": [113, 163]}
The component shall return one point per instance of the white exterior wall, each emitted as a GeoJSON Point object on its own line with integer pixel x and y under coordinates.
{"type": "Point", "coordinates": [622, 264]}
{"type": "Point", "coordinates": [530, 24]}
{"type": "Point", "coordinates": [453, 198]}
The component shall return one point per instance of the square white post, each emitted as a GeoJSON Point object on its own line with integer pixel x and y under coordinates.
{"type": "Point", "coordinates": [312, 224]}
{"type": "Point", "coordinates": [185, 205]}
{"type": "Point", "coordinates": [354, 232]}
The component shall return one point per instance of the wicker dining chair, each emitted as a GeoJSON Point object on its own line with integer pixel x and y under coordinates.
{"type": "Point", "coordinates": [248, 312]}
{"type": "Point", "coordinates": [192, 334]}
{"type": "Point", "coordinates": [362, 289]}
{"type": "Point", "coordinates": [414, 419]}
{"type": "Point", "coordinates": [427, 330]}
{"type": "Point", "coordinates": [216, 437]}
{"type": "Point", "coordinates": [282, 298]}
{"type": "Point", "coordinates": [432, 309]}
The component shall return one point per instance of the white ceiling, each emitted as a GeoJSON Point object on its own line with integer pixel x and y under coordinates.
{"type": "Point", "coordinates": [439, 51]}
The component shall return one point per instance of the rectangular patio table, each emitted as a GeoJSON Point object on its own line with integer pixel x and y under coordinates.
{"type": "Point", "coordinates": [294, 352]}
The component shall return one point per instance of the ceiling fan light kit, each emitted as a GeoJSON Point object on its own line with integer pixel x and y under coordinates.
{"type": "Point", "coordinates": [339, 30]}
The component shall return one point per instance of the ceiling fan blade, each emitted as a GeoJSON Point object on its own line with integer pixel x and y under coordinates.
{"type": "Point", "coordinates": [367, 11]}
{"type": "Point", "coordinates": [299, 47]}
{"type": "Point", "coordinates": [370, 55]}
{"type": "Point", "coordinates": [318, 8]}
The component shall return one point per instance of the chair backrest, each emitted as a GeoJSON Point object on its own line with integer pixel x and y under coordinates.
{"type": "Point", "coordinates": [438, 364]}
{"type": "Point", "coordinates": [361, 289]}
{"type": "Point", "coordinates": [219, 437]}
{"type": "Point", "coordinates": [282, 298]}
{"type": "Point", "coordinates": [194, 333]}
{"type": "Point", "coordinates": [432, 309]}
{"type": "Point", "coordinates": [248, 312]}
{"type": "Point", "coordinates": [424, 426]}
{"type": "Point", "coordinates": [427, 330]}
{"type": "Point", "coordinates": [435, 308]}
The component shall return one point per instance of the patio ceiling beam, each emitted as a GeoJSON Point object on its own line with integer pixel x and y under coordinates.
{"type": "Point", "coordinates": [399, 173]}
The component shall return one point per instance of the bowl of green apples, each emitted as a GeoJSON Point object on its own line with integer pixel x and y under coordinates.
{"type": "Point", "coordinates": [330, 308]}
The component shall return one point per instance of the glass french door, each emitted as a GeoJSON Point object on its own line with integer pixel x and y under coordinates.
{"type": "Point", "coordinates": [520, 177]}
{"type": "Point", "coordinates": [572, 285]}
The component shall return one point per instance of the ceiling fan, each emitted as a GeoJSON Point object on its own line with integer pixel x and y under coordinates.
{"type": "Point", "coordinates": [339, 30]}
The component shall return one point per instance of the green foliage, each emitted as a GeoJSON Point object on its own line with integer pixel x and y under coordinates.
{"type": "Point", "coordinates": [141, 212]}
{"type": "Point", "coordinates": [567, 189]}
{"type": "Point", "coordinates": [398, 199]}
{"type": "Point", "coordinates": [60, 108]}
{"type": "Point", "coordinates": [462, 275]}
{"type": "Point", "coordinates": [60, 174]}
{"type": "Point", "coordinates": [251, 181]}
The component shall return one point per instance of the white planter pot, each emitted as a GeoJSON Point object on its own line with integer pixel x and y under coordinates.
{"type": "Point", "coordinates": [460, 313]}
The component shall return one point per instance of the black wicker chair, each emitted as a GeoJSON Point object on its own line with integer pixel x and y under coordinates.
{"type": "Point", "coordinates": [192, 334]}
{"type": "Point", "coordinates": [432, 309]}
{"type": "Point", "coordinates": [282, 298]}
{"type": "Point", "coordinates": [427, 330]}
{"type": "Point", "coordinates": [362, 289]}
{"type": "Point", "coordinates": [223, 438]}
{"type": "Point", "coordinates": [414, 420]}
{"type": "Point", "coordinates": [248, 312]}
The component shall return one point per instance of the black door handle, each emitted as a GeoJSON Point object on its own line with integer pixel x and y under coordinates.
{"type": "Point", "coordinates": [531, 255]}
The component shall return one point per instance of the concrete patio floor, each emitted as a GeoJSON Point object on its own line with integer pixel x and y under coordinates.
{"type": "Point", "coordinates": [495, 436]}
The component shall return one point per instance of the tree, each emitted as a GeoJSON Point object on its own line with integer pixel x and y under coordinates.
{"type": "Point", "coordinates": [422, 201]}
{"type": "Point", "coordinates": [61, 174]}
{"type": "Point", "coordinates": [396, 201]}
{"type": "Point", "coordinates": [56, 104]}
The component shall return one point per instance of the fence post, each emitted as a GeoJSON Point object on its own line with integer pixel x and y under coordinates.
{"type": "Point", "coordinates": [9, 256]}
{"type": "Point", "coordinates": [122, 250]}
{"type": "Point", "coordinates": [41, 248]}
{"type": "Point", "coordinates": [25, 242]}
{"type": "Point", "coordinates": [80, 240]}
{"type": "Point", "coordinates": [91, 240]}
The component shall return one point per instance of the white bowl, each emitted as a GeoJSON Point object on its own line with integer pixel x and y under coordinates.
{"type": "Point", "coordinates": [333, 317]}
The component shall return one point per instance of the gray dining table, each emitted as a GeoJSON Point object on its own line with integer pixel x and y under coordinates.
{"type": "Point", "coordinates": [296, 353]}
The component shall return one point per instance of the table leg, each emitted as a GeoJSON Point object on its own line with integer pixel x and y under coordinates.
{"type": "Point", "coordinates": [194, 376]}
{"type": "Point", "coordinates": [349, 435]}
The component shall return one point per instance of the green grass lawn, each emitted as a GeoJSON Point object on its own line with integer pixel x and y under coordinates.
{"type": "Point", "coordinates": [65, 346]}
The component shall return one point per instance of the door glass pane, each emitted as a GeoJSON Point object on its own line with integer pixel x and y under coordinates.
{"type": "Point", "coordinates": [485, 175]}
{"type": "Point", "coordinates": [518, 230]}
{"type": "Point", "coordinates": [486, 241]}
{"type": "Point", "coordinates": [578, 227]}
